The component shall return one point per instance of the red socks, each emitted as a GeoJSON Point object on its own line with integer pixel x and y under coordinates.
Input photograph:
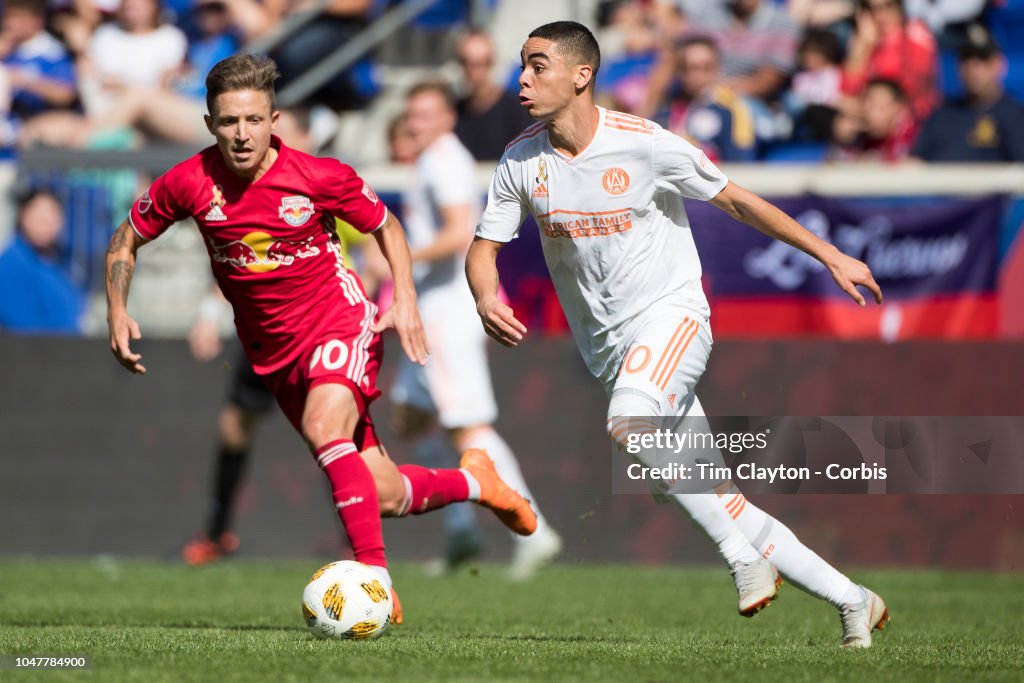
{"type": "Point", "coordinates": [427, 489]}
{"type": "Point", "coordinates": [355, 496]}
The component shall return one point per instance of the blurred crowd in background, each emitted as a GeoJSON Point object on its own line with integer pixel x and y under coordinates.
{"type": "Point", "coordinates": [745, 80]}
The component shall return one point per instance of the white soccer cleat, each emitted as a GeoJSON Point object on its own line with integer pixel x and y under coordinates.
{"type": "Point", "coordinates": [860, 619]}
{"type": "Point", "coordinates": [757, 584]}
{"type": "Point", "coordinates": [533, 552]}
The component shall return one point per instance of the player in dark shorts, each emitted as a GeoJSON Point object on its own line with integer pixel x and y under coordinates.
{"type": "Point", "coordinates": [248, 402]}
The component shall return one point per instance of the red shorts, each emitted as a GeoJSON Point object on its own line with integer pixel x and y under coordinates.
{"type": "Point", "coordinates": [349, 356]}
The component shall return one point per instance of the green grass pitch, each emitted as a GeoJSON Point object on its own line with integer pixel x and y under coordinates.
{"type": "Point", "coordinates": [241, 621]}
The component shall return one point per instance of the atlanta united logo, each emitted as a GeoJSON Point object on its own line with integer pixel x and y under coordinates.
{"type": "Point", "coordinates": [615, 181]}
{"type": "Point", "coordinates": [295, 210]}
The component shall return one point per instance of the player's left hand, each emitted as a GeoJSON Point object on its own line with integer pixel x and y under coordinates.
{"type": "Point", "coordinates": [204, 340]}
{"type": "Point", "coordinates": [848, 273]}
{"type": "Point", "coordinates": [404, 317]}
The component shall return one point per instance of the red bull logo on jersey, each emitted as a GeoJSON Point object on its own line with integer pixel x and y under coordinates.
{"type": "Point", "coordinates": [261, 252]}
{"type": "Point", "coordinates": [295, 210]}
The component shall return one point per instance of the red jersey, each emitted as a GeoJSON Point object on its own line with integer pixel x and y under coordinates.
{"type": "Point", "coordinates": [909, 57]}
{"type": "Point", "coordinates": [272, 243]}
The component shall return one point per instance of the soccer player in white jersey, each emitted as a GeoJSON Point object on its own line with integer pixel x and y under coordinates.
{"type": "Point", "coordinates": [607, 191]}
{"type": "Point", "coordinates": [454, 389]}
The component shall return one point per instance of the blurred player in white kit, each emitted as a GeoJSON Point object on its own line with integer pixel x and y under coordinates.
{"type": "Point", "coordinates": [453, 391]}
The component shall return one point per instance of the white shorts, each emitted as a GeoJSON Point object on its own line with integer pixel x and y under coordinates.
{"type": "Point", "coordinates": [666, 359]}
{"type": "Point", "coordinates": [455, 384]}
{"type": "Point", "coordinates": [660, 371]}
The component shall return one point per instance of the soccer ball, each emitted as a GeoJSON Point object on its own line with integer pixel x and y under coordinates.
{"type": "Point", "coordinates": [346, 600]}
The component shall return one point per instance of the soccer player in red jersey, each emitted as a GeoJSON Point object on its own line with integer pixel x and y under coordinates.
{"type": "Point", "coordinates": [266, 213]}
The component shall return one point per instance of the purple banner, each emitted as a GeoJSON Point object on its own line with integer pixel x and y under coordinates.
{"type": "Point", "coordinates": [914, 248]}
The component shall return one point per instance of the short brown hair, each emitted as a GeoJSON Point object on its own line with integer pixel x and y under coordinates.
{"type": "Point", "coordinates": [440, 87]}
{"type": "Point", "coordinates": [242, 72]}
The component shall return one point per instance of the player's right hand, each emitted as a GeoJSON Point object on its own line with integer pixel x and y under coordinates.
{"type": "Point", "coordinates": [500, 322]}
{"type": "Point", "coordinates": [122, 330]}
{"type": "Point", "coordinates": [404, 317]}
{"type": "Point", "coordinates": [849, 273]}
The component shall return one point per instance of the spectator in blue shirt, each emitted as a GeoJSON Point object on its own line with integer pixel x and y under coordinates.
{"type": "Point", "coordinates": [706, 111]}
{"type": "Point", "coordinates": [216, 40]}
{"type": "Point", "coordinates": [41, 72]}
{"type": "Point", "coordinates": [987, 125]}
{"type": "Point", "coordinates": [36, 294]}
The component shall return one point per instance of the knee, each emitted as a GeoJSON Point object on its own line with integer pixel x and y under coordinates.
{"type": "Point", "coordinates": [234, 433]}
{"type": "Point", "coordinates": [618, 429]}
{"type": "Point", "coordinates": [330, 414]}
{"type": "Point", "coordinates": [319, 428]}
{"type": "Point", "coordinates": [392, 497]}
{"type": "Point", "coordinates": [630, 410]}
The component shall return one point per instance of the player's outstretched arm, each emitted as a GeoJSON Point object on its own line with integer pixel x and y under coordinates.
{"type": "Point", "coordinates": [453, 238]}
{"type": "Point", "coordinates": [120, 266]}
{"type": "Point", "coordinates": [848, 272]}
{"type": "Point", "coordinates": [498, 319]}
{"type": "Point", "coordinates": [403, 314]}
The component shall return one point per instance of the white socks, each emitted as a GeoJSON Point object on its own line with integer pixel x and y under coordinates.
{"type": "Point", "coordinates": [795, 561]}
{"type": "Point", "coordinates": [474, 485]}
{"type": "Point", "coordinates": [742, 532]}
{"type": "Point", "coordinates": [706, 510]}
{"type": "Point", "coordinates": [487, 439]}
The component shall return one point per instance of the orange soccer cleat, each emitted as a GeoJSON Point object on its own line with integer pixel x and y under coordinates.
{"type": "Point", "coordinates": [204, 551]}
{"type": "Point", "coordinates": [396, 608]}
{"type": "Point", "coordinates": [512, 509]}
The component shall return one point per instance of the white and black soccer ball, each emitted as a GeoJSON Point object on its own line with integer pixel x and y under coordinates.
{"type": "Point", "coordinates": [346, 600]}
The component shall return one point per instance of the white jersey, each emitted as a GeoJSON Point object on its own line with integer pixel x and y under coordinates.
{"type": "Point", "coordinates": [616, 237]}
{"type": "Point", "coordinates": [445, 176]}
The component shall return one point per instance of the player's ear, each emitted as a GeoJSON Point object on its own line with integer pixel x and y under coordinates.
{"type": "Point", "coordinates": [274, 116]}
{"type": "Point", "coordinates": [209, 123]}
{"type": "Point", "coordinates": [584, 75]}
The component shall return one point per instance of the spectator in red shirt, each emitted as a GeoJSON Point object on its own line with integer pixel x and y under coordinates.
{"type": "Point", "coordinates": [888, 45]}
